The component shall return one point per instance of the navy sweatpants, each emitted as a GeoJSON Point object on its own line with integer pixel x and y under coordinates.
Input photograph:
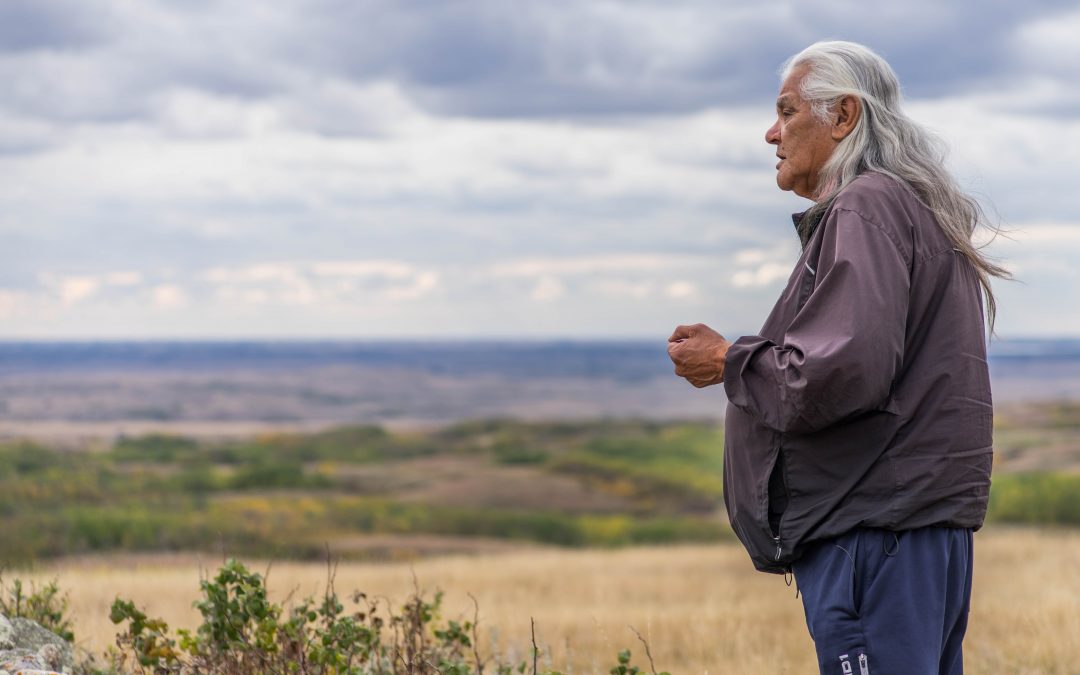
{"type": "Point", "coordinates": [888, 603]}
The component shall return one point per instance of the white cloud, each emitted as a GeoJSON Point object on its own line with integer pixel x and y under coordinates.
{"type": "Point", "coordinates": [593, 264]}
{"type": "Point", "coordinates": [231, 296]}
{"type": "Point", "coordinates": [169, 296]}
{"type": "Point", "coordinates": [285, 273]}
{"type": "Point", "coordinates": [1047, 235]}
{"type": "Point", "coordinates": [764, 267]}
{"type": "Point", "coordinates": [547, 289]}
{"type": "Point", "coordinates": [191, 113]}
{"type": "Point", "coordinates": [123, 278]}
{"type": "Point", "coordinates": [328, 282]}
{"type": "Point", "coordinates": [681, 290]}
{"type": "Point", "coordinates": [421, 285]}
{"type": "Point", "coordinates": [786, 250]}
{"type": "Point", "coordinates": [391, 269]}
{"type": "Point", "coordinates": [10, 303]}
{"type": "Point", "coordinates": [1050, 42]}
{"type": "Point", "coordinates": [762, 275]}
{"type": "Point", "coordinates": [72, 289]}
{"type": "Point", "coordinates": [625, 289]}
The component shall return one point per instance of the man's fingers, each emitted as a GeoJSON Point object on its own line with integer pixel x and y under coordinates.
{"type": "Point", "coordinates": [681, 333]}
{"type": "Point", "coordinates": [673, 350]}
{"type": "Point", "coordinates": [680, 364]}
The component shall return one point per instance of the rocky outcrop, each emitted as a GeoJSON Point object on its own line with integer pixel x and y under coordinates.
{"type": "Point", "coordinates": [28, 649]}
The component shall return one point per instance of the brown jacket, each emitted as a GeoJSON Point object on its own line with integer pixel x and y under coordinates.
{"type": "Point", "coordinates": [867, 390]}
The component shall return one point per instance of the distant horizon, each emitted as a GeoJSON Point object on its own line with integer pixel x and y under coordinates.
{"type": "Point", "coordinates": [404, 381]}
{"type": "Point", "coordinates": [425, 339]}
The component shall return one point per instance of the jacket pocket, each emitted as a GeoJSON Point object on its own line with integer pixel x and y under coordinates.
{"type": "Point", "coordinates": [774, 498]}
{"type": "Point", "coordinates": [776, 493]}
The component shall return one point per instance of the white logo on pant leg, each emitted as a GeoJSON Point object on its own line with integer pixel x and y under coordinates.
{"type": "Point", "coordinates": [845, 664]}
{"type": "Point", "coordinates": [864, 667]}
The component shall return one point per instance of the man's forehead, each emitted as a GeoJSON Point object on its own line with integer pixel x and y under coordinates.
{"type": "Point", "coordinates": [789, 100]}
{"type": "Point", "coordinates": [789, 89]}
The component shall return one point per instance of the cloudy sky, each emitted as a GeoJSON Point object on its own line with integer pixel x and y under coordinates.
{"type": "Point", "coordinates": [464, 168]}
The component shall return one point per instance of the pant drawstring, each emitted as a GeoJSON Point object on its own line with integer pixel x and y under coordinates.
{"type": "Point", "coordinates": [896, 545]}
{"type": "Point", "coordinates": [789, 579]}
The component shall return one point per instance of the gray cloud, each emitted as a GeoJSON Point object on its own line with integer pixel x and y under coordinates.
{"type": "Point", "coordinates": [27, 25]}
{"type": "Point", "coordinates": [484, 58]}
{"type": "Point", "coordinates": [489, 58]}
{"type": "Point", "coordinates": [165, 138]}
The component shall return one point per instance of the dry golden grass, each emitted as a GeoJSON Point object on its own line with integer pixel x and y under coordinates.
{"type": "Point", "coordinates": [702, 608]}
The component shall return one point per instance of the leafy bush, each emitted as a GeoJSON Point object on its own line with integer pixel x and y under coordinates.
{"type": "Point", "coordinates": [26, 458]}
{"type": "Point", "coordinates": [244, 633]}
{"type": "Point", "coordinates": [510, 453]}
{"type": "Point", "coordinates": [1043, 498]}
{"type": "Point", "coordinates": [45, 605]}
{"type": "Point", "coordinates": [154, 448]}
{"type": "Point", "coordinates": [270, 474]}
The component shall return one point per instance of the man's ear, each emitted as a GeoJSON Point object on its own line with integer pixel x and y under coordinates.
{"type": "Point", "coordinates": [848, 111]}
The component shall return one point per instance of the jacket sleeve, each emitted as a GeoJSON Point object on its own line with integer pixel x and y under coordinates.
{"type": "Point", "coordinates": [845, 345]}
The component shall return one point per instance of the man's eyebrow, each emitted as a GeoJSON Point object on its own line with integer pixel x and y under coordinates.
{"type": "Point", "coordinates": [782, 101]}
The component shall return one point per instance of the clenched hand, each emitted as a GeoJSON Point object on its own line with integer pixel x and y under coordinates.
{"type": "Point", "coordinates": [699, 354]}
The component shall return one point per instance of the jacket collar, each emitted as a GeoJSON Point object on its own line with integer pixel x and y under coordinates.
{"type": "Point", "coordinates": [805, 226]}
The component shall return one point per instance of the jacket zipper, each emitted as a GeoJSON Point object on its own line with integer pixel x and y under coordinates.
{"type": "Point", "coordinates": [787, 497]}
{"type": "Point", "coordinates": [864, 667]}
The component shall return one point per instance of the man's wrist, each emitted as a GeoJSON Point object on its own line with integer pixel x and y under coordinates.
{"type": "Point", "coordinates": [721, 359]}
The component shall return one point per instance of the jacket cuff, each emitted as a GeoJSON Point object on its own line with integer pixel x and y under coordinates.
{"type": "Point", "coordinates": [738, 360]}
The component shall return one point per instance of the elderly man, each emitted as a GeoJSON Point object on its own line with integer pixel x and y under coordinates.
{"type": "Point", "coordinates": [858, 429]}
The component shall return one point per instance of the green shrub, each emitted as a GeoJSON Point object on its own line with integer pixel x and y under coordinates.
{"type": "Point", "coordinates": [157, 448]}
{"type": "Point", "coordinates": [26, 458]}
{"type": "Point", "coordinates": [512, 453]}
{"type": "Point", "coordinates": [270, 474]}
{"type": "Point", "coordinates": [45, 605]}
{"type": "Point", "coordinates": [244, 633]}
{"type": "Point", "coordinates": [1036, 498]}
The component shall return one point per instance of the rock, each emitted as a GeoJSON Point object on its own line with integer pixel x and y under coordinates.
{"type": "Point", "coordinates": [30, 636]}
{"type": "Point", "coordinates": [7, 634]}
{"type": "Point", "coordinates": [52, 655]}
{"type": "Point", "coordinates": [28, 649]}
{"type": "Point", "coordinates": [23, 662]}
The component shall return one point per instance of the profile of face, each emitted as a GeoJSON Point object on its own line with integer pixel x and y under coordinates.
{"type": "Point", "coordinates": [803, 142]}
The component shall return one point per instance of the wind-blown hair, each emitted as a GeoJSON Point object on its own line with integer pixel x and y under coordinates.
{"type": "Point", "coordinates": [887, 141]}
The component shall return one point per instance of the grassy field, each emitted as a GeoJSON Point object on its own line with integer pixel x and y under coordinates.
{"type": "Point", "coordinates": [587, 527]}
{"type": "Point", "coordinates": [701, 607]}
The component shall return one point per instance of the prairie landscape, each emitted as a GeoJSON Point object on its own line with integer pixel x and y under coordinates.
{"type": "Point", "coordinates": [569, 507]}
{"type": "Point", "coordinates": [701, 608]}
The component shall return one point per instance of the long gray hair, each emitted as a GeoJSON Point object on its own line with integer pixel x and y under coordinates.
{"type": "Point", "coordinates": [887, 141]}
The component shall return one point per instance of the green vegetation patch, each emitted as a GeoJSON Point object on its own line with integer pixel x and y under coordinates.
{"type": "Point", "coordinates": [289, 494]}
{"type": "Point", "coordinates": [1036, 498]}
{"type": "Point", "coordinates": [672, 467]}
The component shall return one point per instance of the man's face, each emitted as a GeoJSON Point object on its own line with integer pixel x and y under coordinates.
{"type": "Point", "coordinates": [803, 143]}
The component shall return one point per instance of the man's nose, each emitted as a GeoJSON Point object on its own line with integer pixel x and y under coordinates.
{"type": "Point", "coordinates": [772, 136]}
